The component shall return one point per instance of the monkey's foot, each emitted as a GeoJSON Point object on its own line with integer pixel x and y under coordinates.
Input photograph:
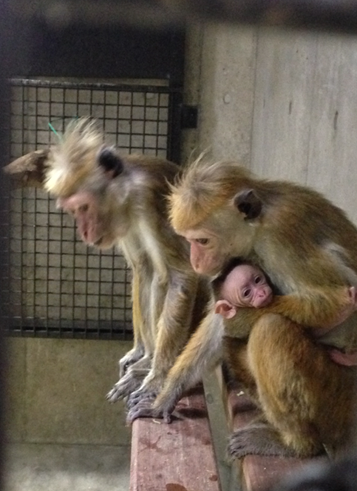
{"type": "Point", "coordinates": [145, 409]}
{"type": "Point", "coordinates": [124, 387]}
{"type": "Point", "coordinates": [257, 439]}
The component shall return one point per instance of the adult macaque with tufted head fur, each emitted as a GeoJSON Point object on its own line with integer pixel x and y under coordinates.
{"type": "Point", "coordinates": [308, 248]}
{"type": "Point", "coordinates": [122, 201]}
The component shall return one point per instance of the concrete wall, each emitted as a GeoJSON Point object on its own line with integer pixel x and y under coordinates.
{"type": "Point", "coordinates": [282, 103]}
{"type": "Point", "coordinates": [305, 116]}
{"type": "Point", "coordinates": [220, 70]}
{"type": "Point", "coordinates": [56, 392]}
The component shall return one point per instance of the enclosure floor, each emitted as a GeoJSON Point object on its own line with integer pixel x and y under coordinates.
{"type": "Point", "coordinates": [39, 467]}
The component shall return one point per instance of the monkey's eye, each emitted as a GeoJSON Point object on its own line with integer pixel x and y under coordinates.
{"type": "Point", "coordinates": [83, 208]}
{"type": "Point", "coordinates": [246, 292]}
{"type": "Point", "coordinates": [257, 279]}
{"type": "Point", "coordinates": [202, 241]}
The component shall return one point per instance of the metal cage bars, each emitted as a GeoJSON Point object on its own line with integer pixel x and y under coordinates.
{"type": "Point", "coordinates": [56, 286]}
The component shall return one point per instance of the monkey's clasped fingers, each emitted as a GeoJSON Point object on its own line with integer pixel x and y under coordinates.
{"type": "Point", "coordinates": [124, 387]}
{"type": "Point", "coordinates": [140, 411]}
{"type": "Point", "coordinates": [113, 395]}
{"type": "Point", "coordinates": [119, 391]}
{"type": "Point", "coordinates": [123, 367]}
{"type": "Point", "coordinates": [140, 397]}
{"type": "Point", "coordinates": [145, 409]}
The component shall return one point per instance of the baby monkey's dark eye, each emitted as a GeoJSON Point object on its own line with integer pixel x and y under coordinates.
{"type": "Point", "coordinates": [202, 241]}
{"type": "Point", "coordinates": [246, 293]}
{"type": "Point", "coordinates": [257, 279]}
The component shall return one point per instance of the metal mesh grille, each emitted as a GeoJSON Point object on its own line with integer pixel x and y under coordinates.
{"type": "Point", "coordinates": [56, 285]}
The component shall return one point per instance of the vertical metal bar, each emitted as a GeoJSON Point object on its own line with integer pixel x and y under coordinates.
{"type": "Point", "coordinates": [146, 123]}
{"type": "Point", "coordinates": [6, 42]}
{"type": "Point", "coordinates": [174, 126]}
{"type": "Point", "coordinates": [131, 123]}
{"type": "Point", "coordinates": [34, 225]}
{"type": "Point", "coordinates": [157, 123]}
{"type": "Point", "coordinates": [47, 320]}
{"type": "Point", "coordinates": [22, 210]}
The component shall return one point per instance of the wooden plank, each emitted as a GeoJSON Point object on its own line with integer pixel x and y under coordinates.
{"type": "Point", "coordinates": [177, 456]}
{"type": "Point", "coordinates": [258, 473]}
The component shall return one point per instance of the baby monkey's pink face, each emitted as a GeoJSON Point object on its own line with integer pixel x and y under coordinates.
{"type": "Point", "coordinates": [246, 286]}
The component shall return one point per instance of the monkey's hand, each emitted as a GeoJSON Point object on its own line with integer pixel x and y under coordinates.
{"type": "Point", "coordinates": [343, 314]}
{"type": "Point", "coordinates": [123, 388]}
{"type": "Point", "coordinates": [130, 382]}
{"type": "Point", "coordinates": [151, 407]}
{"type": "Point", "coordinates": [129, 359]}
{"type": "Point", "coordinates": [140, 395]}
{"type": "Point", "coordinates": [146, 409]}
{"type": "Point", "coordinates": [149, 389]}
{"type": "Point", "coordinates": [342, 358]}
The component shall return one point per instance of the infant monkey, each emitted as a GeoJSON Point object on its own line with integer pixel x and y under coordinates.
{"type": "Point", "coordinates": [246, 285]}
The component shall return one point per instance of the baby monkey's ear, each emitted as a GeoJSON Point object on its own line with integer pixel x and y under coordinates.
{"type": "Point", "coordinates": [225, 308]}
{"type": "Point", "coordinates": [112, 164]}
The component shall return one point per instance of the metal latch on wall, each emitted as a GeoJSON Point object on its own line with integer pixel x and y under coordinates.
{"type": "Point", "coordinates": [189, 116]}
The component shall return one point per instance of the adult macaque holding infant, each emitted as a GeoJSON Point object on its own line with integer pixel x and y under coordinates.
{"type": "Point", "coordinates": [308, 248]}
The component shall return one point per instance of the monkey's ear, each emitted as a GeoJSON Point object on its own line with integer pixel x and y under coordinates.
{"type": "Point", "coordinates": [226, 309]}
{"type": "Point", "coordinates": [110, 161]}
{"type": "Point", "coordinates": [353, 295]}
{"type": "Point", "coordinates": [247, 202]}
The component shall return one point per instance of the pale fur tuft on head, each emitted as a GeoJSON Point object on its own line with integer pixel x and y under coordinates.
{"type": "Point", "coordinates": [74, 158]}
{"type": "Point", "coordinates": [204, 187]}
